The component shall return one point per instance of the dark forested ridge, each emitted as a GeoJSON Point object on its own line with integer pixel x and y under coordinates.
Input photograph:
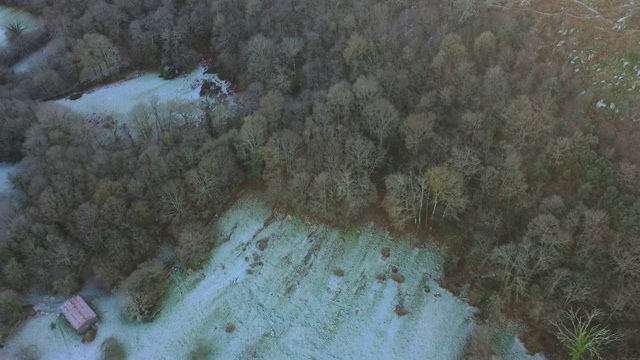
{"type": "Point", "coordinates": [459, 120]}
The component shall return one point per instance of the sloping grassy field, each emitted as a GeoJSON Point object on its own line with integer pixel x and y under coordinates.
{"type": "Point", "coordinates": [286, 300]}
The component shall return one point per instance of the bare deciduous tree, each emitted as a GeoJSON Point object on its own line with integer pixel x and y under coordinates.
{"type": "Point", "coordinates": [355, 192]}
{"type": "Point", "coordinates": [399, 201]}
{"type": "Point", "coordinates": [359, 53]}
{"type": "Point", "coordinates": [252, 137]}
{"type": "Point", "coordinates": [582, 335]}
{"type": "Point", "coordinates": [446, 187]}
{"type": "Point", "coordinates": [523, 123]}
{"type": "Point", "coordinates": [98, 57]}
{"type": "Point", "coordinates": [484, 48]}
{"type": "Point", "coordinates": [464, 162]}
{"type": "Point", "coordinates": [271, 107]}
{"type": "Point", "coordinates": [194, 245]}
{"type": "Point", "coordinates": [417, 130]}
{"type": "Point", "coordinates": [366, 89]}
{"type": "Point", "coordinates": [173, 201]}
{"type": "Point", "coordinates": [289, 50]}
{"type": "Point", "coordinates": [340, 99]}
{"type": "Point", "coordinates": [362, 155]}
{"type": "Point", "coordinates": [260, 58]}
{"type": "Point", "coordinates": [381, 120]}
{"type": "Point", "coordinates": [323, 193]}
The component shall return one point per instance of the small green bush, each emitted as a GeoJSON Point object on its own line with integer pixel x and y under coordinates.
{"type": "Point", "coordinates": [143, 291]}
{"type": "Point", "coordinates": [112, 349]}
{"type": "Point", "coordinates": [10, 312]}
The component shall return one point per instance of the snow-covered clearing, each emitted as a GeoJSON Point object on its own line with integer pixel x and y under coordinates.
{"type": "Point", "coordinates": [38, 59]}
{"type": "Point", "coordinates": [285, 301]}
{"type": "Point", "coordinates": [5, 169]}
{"type": "Point", "coordinates": [119, 98]}
{"type": "Point", "coordinates": [9, 15]}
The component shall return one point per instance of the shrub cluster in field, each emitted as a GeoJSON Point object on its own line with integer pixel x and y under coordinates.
{"type": "Point", "coordinates": [446, 117]}
{"type": "Point", "coordinates": [10, 311]}
{"type": "Point", "coordinates": [112, 349]}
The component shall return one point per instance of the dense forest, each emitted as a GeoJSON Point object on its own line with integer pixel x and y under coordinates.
{"type": "Point", "coordinates": [450, 119]}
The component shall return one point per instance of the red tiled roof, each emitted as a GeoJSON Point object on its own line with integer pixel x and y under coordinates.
{"type": "Point", "coordinates": [78, 313]}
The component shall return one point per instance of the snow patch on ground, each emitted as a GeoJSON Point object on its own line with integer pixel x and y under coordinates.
{"type": "Point", "coordinates": [119, 98]}
{"type": "Point", "coordinates": [38, 59]}
{"type": "Point", "coordinates": [5, 169]}
{"type": "Point", "coordinates": [290, 305]}
{"type": "Point", "coordinates": [517, 351]}
{"type": "Point", "coordinates": [9, 15]}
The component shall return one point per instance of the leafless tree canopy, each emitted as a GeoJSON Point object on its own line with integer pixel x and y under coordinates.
{"type": "Point", "coordinates": [463, 121]}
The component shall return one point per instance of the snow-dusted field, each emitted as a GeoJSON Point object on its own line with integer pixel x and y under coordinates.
{"type": "Point", "coordinates": [5, 169]}
{"type": "Point", "coordinates": [38, 59]}
{"type": "Point", "coordinates": [292, 305]}
{"type": "Point", "coordinates": [119, 98]}
{"type": "Point", "coordinates": [9, 15]}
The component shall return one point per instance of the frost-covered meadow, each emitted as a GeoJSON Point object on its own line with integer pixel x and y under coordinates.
{"type": "Point", "coordinates": [285, 301]}
{"type": "Point", "coordinates": [38, 59]}
{"type": "Point", "coordinates": [120, 97]}
{"type": "Point", "coordinates": [5, 169]}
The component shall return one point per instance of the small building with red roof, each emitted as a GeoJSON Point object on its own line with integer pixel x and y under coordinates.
{"type": "Point", "coordinates": [79, 314]}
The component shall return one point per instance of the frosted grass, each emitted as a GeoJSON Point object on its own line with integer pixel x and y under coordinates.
{"type": "Point", "coordinates": [5, 169]}
{"type": "Point", "coordinates": [292, 305]}
{"type": "Point", "coordinates": [38, 60]}
{"type": "Point", "coordinates": [119, 98]}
